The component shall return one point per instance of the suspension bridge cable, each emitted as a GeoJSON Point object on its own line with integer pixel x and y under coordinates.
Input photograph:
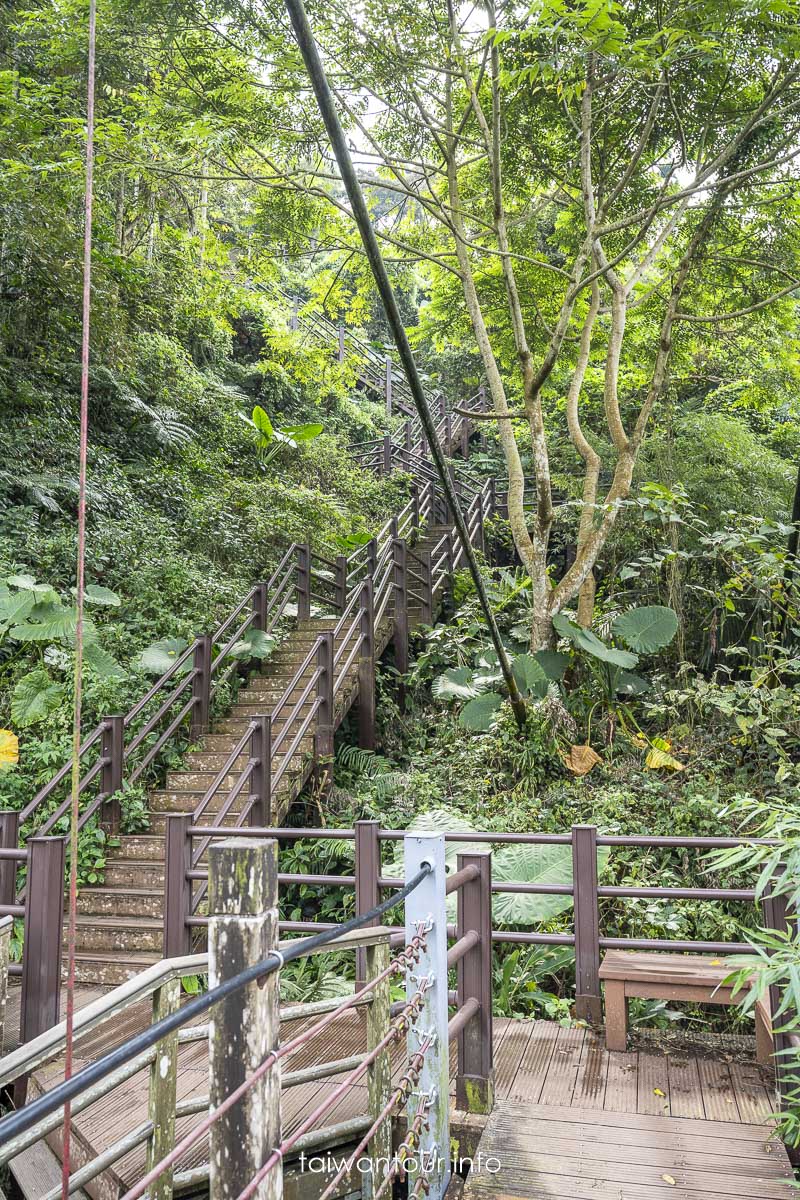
{"type": "Point", "coordinates": [80, 587]}
{"type": "Point", "coordinates": [330, 117]}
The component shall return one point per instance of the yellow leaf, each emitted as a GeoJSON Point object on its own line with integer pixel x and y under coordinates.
{"type": "Point", "coordinates": [658, 759]}
{"type": "Point", "coordinates": [669, 1179]}
{"type": "Point", "coordinates": [658, 1092]}
{"type": "Point", "coordinates": [581, 759]}
{"type": "Point", "coordinates": [9, 749]}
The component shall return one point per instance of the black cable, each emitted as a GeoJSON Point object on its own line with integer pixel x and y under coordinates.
{"type": "Point", "coordinates": [316, 73]}
{"type": "Point", "coordinates": [19, 1122]}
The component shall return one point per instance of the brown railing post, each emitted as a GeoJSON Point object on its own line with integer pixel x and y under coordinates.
{"type": "Point", "coordinates": [112, 750]}
{"type": "Point", "coordinates": [9, 840]}
{"type": "Point", "coordinates": [260, 606]}
{"type": "Point", "coordinates": [177, 886]}
{"type": "Point", "coordinates": [775, 918]}
{"type": "Point", "coordinates": [372, 557]}
{"type": "Point", "coordinates": [44, 919]}
{"type": "Point", "coordinates": [407, 444]}
{"type": "Point", "coordinates": [588, 1005]}
{"type": "Point", "coordinates": [386, 455]}
{"type": "Point", "coordinates": [427, 588]}
{"type": "Point", "coordinates": [465, 432]}
{"type": "Point", "coordinates": [448, 434]}
{"type": "Point", "coordinates": [482, 406]}
{"type": "Point", "coordinates": [340, 344]}
{"type": "Point", "coordinates": [475, 1073]}
{"type": "Point", "coordinates": [340, 583]}
{"type": "Point", "coordinates": [400, 578]}
{"type": "Point", "coordinates": [261, 779]}
{"type": "Point", "coordinates": [368, 869]}
{"type": "Point", "coordinates": [303, 582]}
{"type": "Point", "coordinates": [201, 687]}
{"type": "Point", "coordinates": [323, 737]}
{"type": "Point", "coordinates": [387, 385]}
{"type": "Point", "coordinates": [491, 497]}
{"type": "Point", "coordinates": [480, 540]}
{"type": "Point", "coordinates": [242, 929]}
{"type": "Point", "coordinates": [415, 512]}
{"type": "Point", "coordinates": [366, 668]}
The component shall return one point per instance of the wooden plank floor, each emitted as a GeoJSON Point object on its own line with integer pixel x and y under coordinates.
{"type": "Point", "coordinates": [540, 1068]}
{"type": "Point", "coordinates": [552, 1152]}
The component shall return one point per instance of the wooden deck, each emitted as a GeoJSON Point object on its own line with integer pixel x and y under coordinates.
{"type": "Point", "coordinates": [559, 1095]}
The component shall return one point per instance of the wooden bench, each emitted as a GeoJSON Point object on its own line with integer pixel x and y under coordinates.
{"type": "Point", "coordinates": [654, 976]}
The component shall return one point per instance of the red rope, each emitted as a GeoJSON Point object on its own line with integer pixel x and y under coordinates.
{"type": "Point", "coordinates": [80, 584]}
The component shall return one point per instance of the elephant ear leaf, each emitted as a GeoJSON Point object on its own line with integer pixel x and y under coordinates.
{"type": "Point", "coordinates": [530, 675]}
{"type": "Point", "coordinates": [158, 658]}
{"type": "Point", "coordinates": [553, 663]}
{"type": "Point", "coordinates": [629, 684]}
{"type": "Point", "coordinates": [546, 864]}
{"type": "Point", "coordinates": [34, 697]}
{"type": "Point", "coordinates": [647, 629]}
{"type": "Point", "coordinates": [302, 433]}
{"type": "Point", "coordinates": [458, 683]}
{"type": "Point", "coordinates": [479, 714]}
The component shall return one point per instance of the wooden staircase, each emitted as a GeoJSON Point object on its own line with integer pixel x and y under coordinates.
{"type": "Point", "coordinates": [120, 923]}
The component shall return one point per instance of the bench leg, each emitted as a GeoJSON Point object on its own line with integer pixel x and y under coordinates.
{"type": "Point", "coordinates": [616, 1015]}
{"type": "Point", "coordinates": [764, 1046]}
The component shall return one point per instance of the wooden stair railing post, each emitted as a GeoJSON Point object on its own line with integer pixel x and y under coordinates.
{"type": "Point", "coordinates": [379, 1074]}
{"type": "Point", "coordinates": [340, 344]}
{"type": "Point", "coordinates": [340, 584]}
{"type": "Point", "coordinates": [260, 606]}
{"type": "Point", "coordinates": [323, 737]}
{"type": "Point", "coordinates": [303, 582]}
{"type": "Point", "coordinates": [40, 1002]}
{"type": "Point", "coordinates": [201, 687]}
{"type": "Point", "coordinates": [492, 497]}
{"type": "Point", "coordinates": [480, 537]}
{"type": "Point", "coordinates": [163, 1091]}
{"type": "Point", "coordinates": [475, 1072]}
{"type": "Point", "coordinates": [407, 445]}
{"type": "Point", "coordinates": [244, 1027]}
{"type": "Point", "coordinates": [368, 869]}
{"type": "Point", "coordinates": [9, 840]}
{"type": "Point", "coordinates": [427, 589]}
{"type": "Point", "coordinates": [386, 455]}
{"type": "Point", "coordinates": [482, 407]}
{"type": "Point", "coordinates": [464, 432]}
{"type": "Point", "coordinates": [448, 434]}
{"type": "Point", "coordinates": [400, 580]}
{"type": "Point", "coordinates": [6, 929]}
{"type": "Point", "coordinates": [177, 885]}
{"type": "Point", "coordinates": [113, 752]}
{"type": "Point", "coordinates": [387, 384]}
{"type": "Point", "coordinates": [775, 916]}
{"type": "Point", "coordinates": [372, 557]}
{"type": "Point", "coordinates": [415, 509]}
{"type": "Point", "coordinates": [588, 1003]}
{"type": "Point", "coordinates": [366, 667]}
{"type": "Point", "coordinates": [261, 779]}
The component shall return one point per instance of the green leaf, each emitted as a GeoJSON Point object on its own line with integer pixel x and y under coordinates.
{"type": "Point", "coordinates": [50, 623]}
{"type": "Point", "coordinates": [553, 663]}
{"type": "Point", "coordinates": [104, 665]}
{"type": "Point", "coordinates": [646, 629]}
{"type": "Point", "coordinates": [478, 714]}
{"type": "Point", "coordinates": [534, 864]}
{"type": "Point", "coordinates": [34, 697]}
{"type": "Point", "coordinates": [158, 658]}
{"type": "Point", "coordinates": [302, 433]}
{"type": "Point", "coordinates": [263, 423]}
{"type": "Point", "coordinates": [95, 594]}
{"type": "Point", "coordinates": [587, 641]}
{"type": "Point", "coordinates": [458, 683]}
{"type": "Point", "coordinates": [14, 608]}
{"type": "Point", "coordinates": [26, 582]}
{"type": "Point", "coordinates": [629, 684]}
{"type": "Point", "coordinates": [530, 676]}
{"type": "Point", "coordinates": [255, 644]}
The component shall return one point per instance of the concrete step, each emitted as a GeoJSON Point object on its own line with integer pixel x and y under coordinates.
{"type": "Point", "coordinates": [130, 872]}
{"type": "Point", "coordinates": [140, 847]}
{"type": "Point", "coordinates": [202, 779]}
{"type": "Point", "coordinates": [120, 933]}
{"type": "Point", "coordinates": [125, 901]}
{"type": "Point", "coordinates": [109, 969]}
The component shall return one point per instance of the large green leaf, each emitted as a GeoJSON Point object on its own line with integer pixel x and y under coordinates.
{"type": "Point", "coordinates": [552, 662]}
{"type": "Point", "coordinates": [587, 641]}
{"type": "Point", "coordinates": [158, 658]}
{"type": "Point", "coordinates": [15, 607]}
{"type": "Point", "coordinates": [101, 662]}
{"type": "Point", "coordinates": [457, 683]}
{"type": "Point", "coordinates": [51, 623]}
{"type": "Point", "coordinates": [629, 684]}
{"type": "Point", "coordinates": [435, 820]}
{"type": "Point", "coordinates": [647, 629]}
{"type": "Point", "coordinates": [530, 676]}
{"type": "Point", "coordinates": [34, 697]}
{"type": "Point", "coordinates": [255, 644]}
{"type": "Point", "coordinates": [262, 423]}
{"type": "Point", "coordinates": [478, 715]}
{"type": "Point", "coordinates": [534, 864]}
{"type": "Point", "coordinates": [95, 594]}
{"type": "Point", "coordinates": [302, 433]}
